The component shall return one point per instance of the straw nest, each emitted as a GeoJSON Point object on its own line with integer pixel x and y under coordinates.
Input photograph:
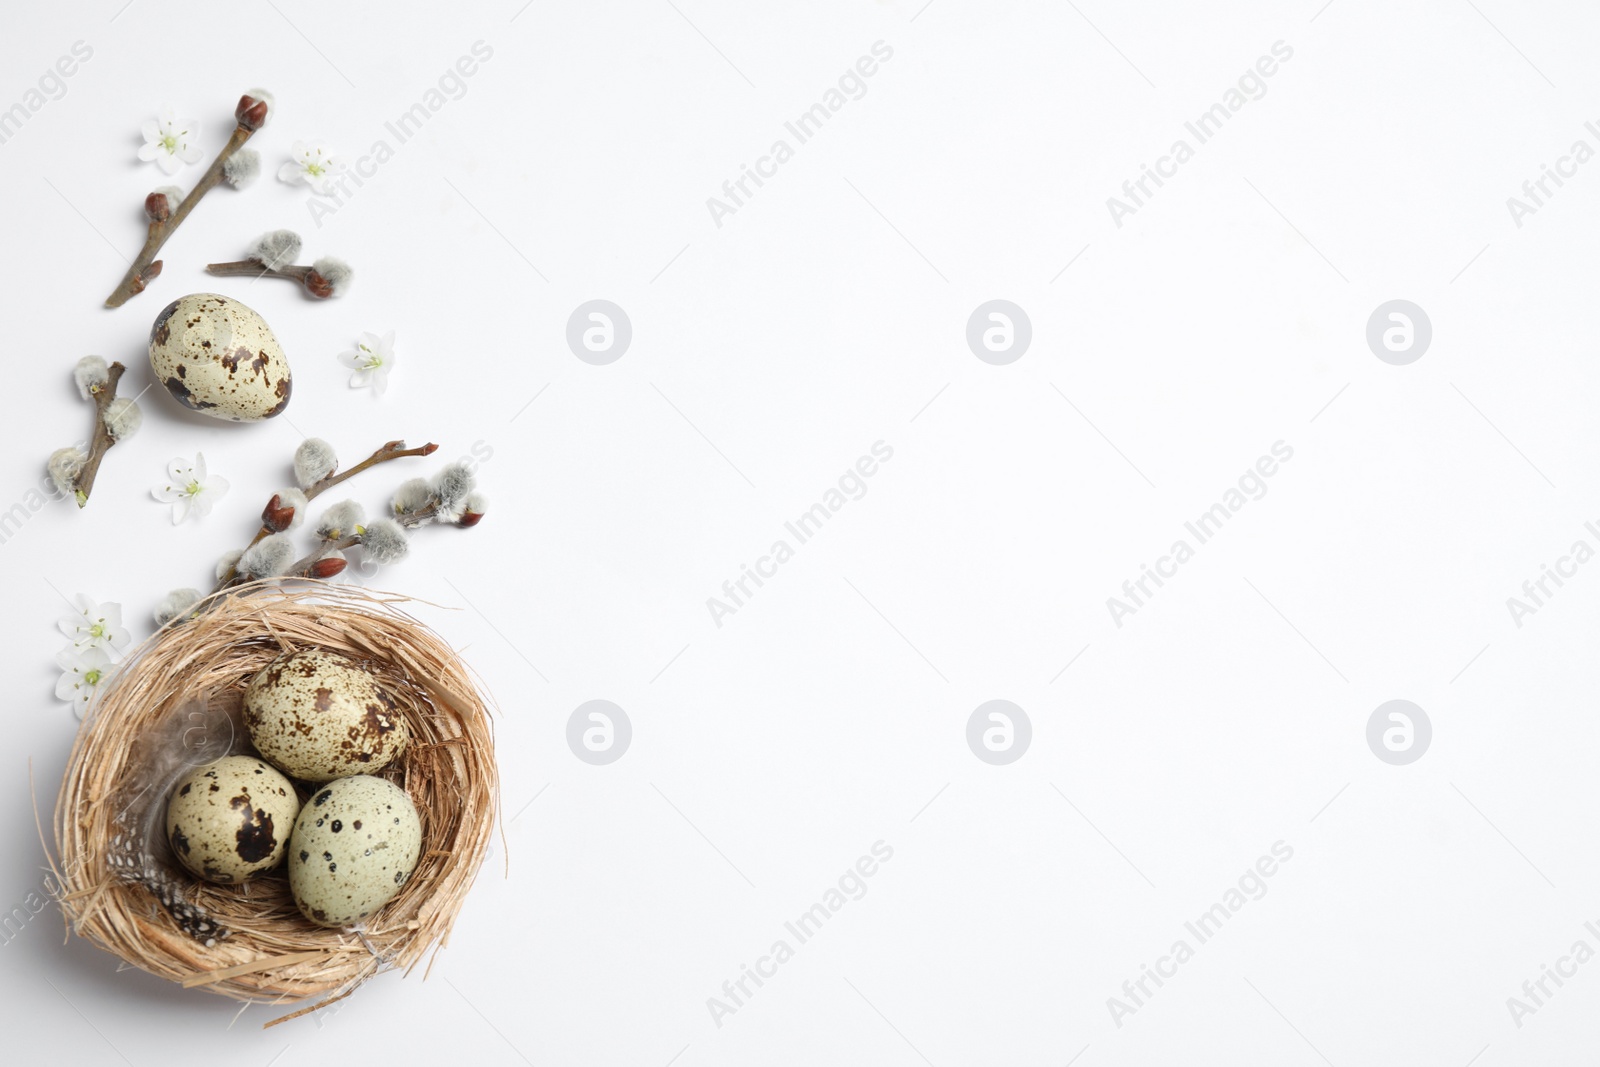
{"type": "Point", "coordinates": [174, 703]}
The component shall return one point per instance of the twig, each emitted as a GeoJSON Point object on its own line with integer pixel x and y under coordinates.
{"type": "Point", "coordinates": [316, 282]}
{"type": "Point", "coordinates": [250, 115]}
{"type": "Point", "coordinates": [305, 566]}
{"type": "Point", "coordinates": [384, 453]}
{"type": "Point", "coordinates": [103, 394]}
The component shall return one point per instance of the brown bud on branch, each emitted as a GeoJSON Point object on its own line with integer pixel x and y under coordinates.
{"type": "Point", "coordinates": [250, 115]}
{"type": "Point", "coordinates": [277, 516]}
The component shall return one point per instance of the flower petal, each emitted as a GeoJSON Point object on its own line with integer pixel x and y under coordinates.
{"type": "Point", "coordinates": [180, 508]}
{"type": "Point", "coordinates": [168, 163]}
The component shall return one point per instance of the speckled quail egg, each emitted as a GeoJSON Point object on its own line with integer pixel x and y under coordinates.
{"type": "Point", "coordinates": [218, 357]}
{"type": "Point", "coordinates": [354, 846]}
{"type": "Point", "coordinates": [317, 716]}
{"type": "Point", "coordinates": [231, 819]}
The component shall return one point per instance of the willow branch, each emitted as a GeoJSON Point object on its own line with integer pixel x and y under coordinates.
{"type": "Point", "coordinates": [315, 282]}
{"type": "Point", "coordinates": [387, 451]}
{"type": "Point", "coordinates": [390, 450]}
{"type": "Point", "coordinates": [104, 394]}
{"type": "Point", "coordinates": [305, 566]}
{"type": "Point", "coordinates": [250, 116]}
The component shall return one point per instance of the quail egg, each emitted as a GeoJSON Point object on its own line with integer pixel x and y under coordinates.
{"type": "Point", "coordinates": [317, 716]}
{"type": "Point", "coordinates": [219, 357]}
{"type": "Point", "coordinates": [354, 846]}
{"type": "Point", "coordinates": [231, 819]}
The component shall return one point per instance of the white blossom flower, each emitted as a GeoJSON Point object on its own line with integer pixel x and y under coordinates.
{"type": "Point", "coordinates": [313, 164]}
{"type": "Point", "coordinates": [81, 672]}
{"type": "Point", "coordinates": [91, 625]}
{"type": "Point", "coordinates": [190, 491]}
{"type": "Point", "coordinates": [170, 142]}
{"type": "Point", "coordinates": [372, 359]}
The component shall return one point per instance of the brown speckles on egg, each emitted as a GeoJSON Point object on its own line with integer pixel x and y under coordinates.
{"type": "Point", "coordinates": [159, 331]}
{"type": "Point", "coordinates": [233, 828]}
{"type": "Point", "coordinates": [221, 358]}
{"type": "Point", "coordinates": [319, 716]}
{"type": "Point", "coordinates": [282, 391]}
{"type": "Point", "coordinates": [358, 874]}
{"type": "Point", "coordinates": [255, 839]}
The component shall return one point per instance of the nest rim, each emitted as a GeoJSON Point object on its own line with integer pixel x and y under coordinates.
{"type": "Point", "coordinates": [272, 953]}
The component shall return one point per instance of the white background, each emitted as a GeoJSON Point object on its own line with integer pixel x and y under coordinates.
{"type": "Point", "coordinates": [769, 353]}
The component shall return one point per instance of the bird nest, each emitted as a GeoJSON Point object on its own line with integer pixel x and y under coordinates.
{"type": "Point", "coordinates": [175, 704]}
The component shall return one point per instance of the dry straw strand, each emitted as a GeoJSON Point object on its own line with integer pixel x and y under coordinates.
{"type": "Point", "coordinates": [448, 771]}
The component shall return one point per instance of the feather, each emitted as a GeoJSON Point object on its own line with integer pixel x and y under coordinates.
{"type": "Point", "coordinates": [199, 732]}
